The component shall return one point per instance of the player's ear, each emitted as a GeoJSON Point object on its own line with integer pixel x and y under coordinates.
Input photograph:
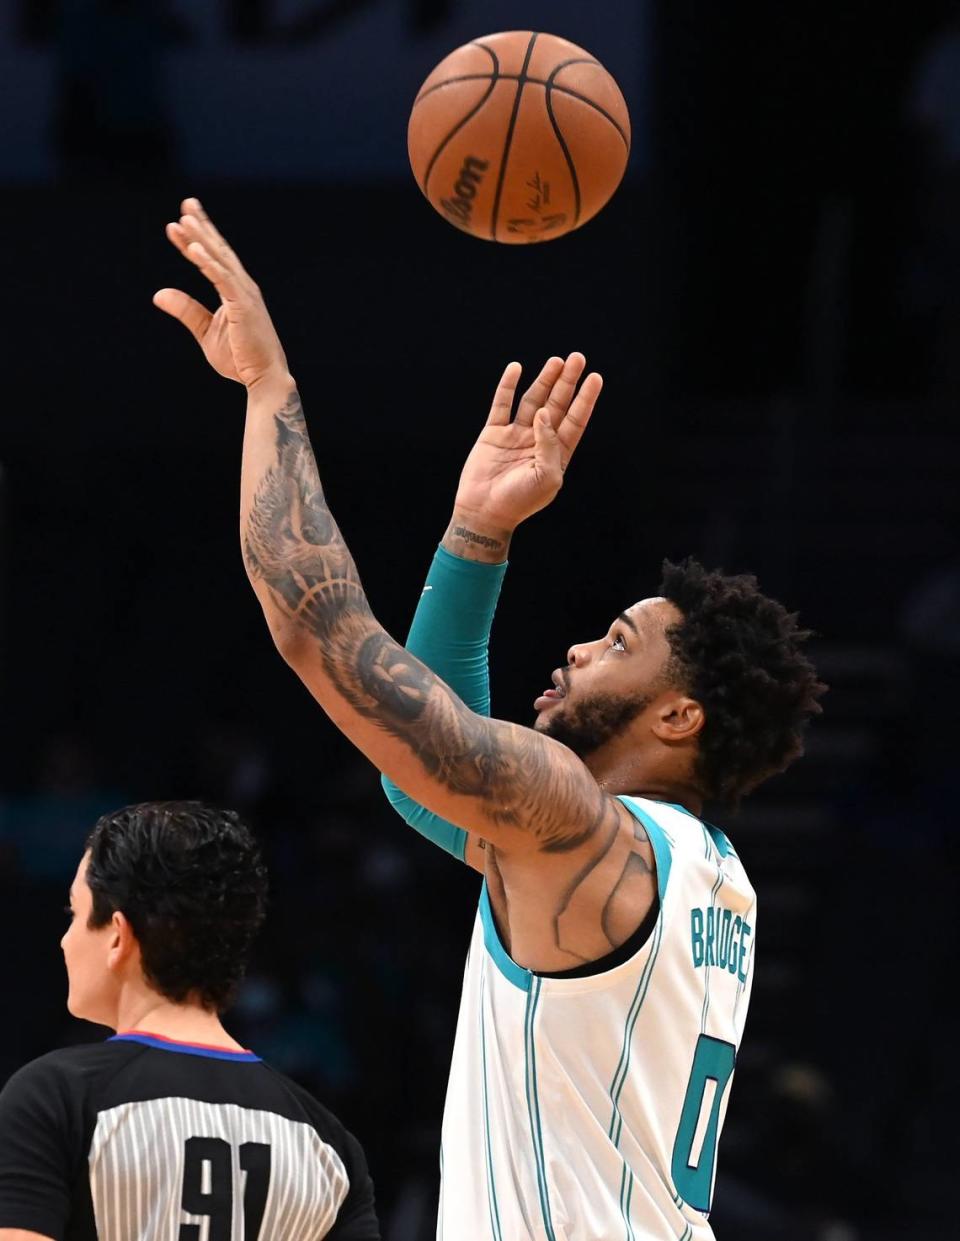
{"type": "Point", "coordinates": [679, 719]}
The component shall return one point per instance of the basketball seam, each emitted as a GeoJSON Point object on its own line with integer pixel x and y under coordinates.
{"type": "Point", "coordinates": [567, 157]}
{"type": "Point", "coordinates": [507, 77]}
{"type": "Point", "coordinates": [572, 94]}
{"type": "Point", "coordinates": [510, 128]}
{"type": "Point", "coordinates": [494, 78]}
{"type": "Point", "coordinates": [568, 90]}
{"type": "Point", "coordinates": [464, 77]}
{"type": "Point", "coordinates": [515, 77]}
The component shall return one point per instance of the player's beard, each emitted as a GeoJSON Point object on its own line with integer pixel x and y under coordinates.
{"type": "Point", "coordinates": [587, 725]}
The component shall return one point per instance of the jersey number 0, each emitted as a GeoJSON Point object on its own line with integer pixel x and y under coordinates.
{"type": "Point", "coordinates": [208, 1187]}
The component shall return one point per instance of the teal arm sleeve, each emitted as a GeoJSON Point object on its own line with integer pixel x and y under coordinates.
{"type": "Point", "coordinates": [451, 633]}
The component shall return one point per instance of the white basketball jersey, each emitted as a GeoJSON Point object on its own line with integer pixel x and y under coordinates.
{"type": "Point", "coordinates": [589, 1109]}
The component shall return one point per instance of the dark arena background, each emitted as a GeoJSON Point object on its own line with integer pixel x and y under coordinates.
{"type": "Point", "coordinates": [773, 297]}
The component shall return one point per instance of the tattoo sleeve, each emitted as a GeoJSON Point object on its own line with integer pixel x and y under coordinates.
{"type": "Point", "coordinates": [305, 576]}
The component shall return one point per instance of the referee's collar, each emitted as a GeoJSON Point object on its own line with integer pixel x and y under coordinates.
{"type": "Point", "coordinates": [162, 1043]}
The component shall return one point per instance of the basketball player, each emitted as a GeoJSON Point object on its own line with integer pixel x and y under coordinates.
{"type": "Point", "coordinates": [170, 1130]}
{"type": "Point", "coordinates": [610, 969]}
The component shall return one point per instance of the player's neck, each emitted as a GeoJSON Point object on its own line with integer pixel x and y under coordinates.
{"type": "Point", "coordinates": [184, 1023]}
{"type": "Point", "coordinates": [618, 774]}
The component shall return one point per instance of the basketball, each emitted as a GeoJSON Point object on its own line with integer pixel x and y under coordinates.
{"type": "Point", "coordinates": [519, 137]}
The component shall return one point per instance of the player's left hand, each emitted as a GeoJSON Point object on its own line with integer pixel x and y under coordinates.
{"type": "Point", "coordinates": [516, 467]}
{"type": "Point", "coordinates": [238, 339]}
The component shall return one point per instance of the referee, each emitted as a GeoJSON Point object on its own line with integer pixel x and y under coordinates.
{"type": "Point", "coordinates": [170, 1130]}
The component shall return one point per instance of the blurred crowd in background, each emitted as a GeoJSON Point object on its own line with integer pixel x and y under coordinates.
{"type": "Point", "coordinates": [774, 300]}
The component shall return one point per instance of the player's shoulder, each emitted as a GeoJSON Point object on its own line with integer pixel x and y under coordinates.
{"type": "Point", "coordinates": [681, 839]}
{"type": "Point", "coordinates": [672, 830]}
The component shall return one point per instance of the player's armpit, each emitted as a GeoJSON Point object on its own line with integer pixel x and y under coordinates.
{"type": "Point", "coordinates": [17, 1234]}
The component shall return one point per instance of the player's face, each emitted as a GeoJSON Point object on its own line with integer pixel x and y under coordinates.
{"type": "Point", "coordinates": [85, 951]}
{"type": "Point", "coordinates": [607, 683]}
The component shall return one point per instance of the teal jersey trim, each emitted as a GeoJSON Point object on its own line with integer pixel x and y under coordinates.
{"type": "Point", "coordinates": [533, 1105]}
{"type": "Point", "coordinates": [706, 973]}
{"type": "Point", "coordinates": [440, 1213]}
{"type": "Point", "coordinates": [491, 1181]}
{"type": "Point", "coordinates": [626, 1193]}
{"type": "Point", "coordinates": [620, 1076]}
{"type": "Point", "coordinates": [721, 841]}
{"type": "Point", "coordinates": [660, 841]}
{"type": "Point", "coordinates": [491, 939]}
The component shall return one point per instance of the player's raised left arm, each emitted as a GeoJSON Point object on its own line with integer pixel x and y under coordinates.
{"type": "Point", "coordinates": [507, 783]}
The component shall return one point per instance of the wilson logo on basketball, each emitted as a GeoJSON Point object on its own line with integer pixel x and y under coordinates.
{"type": "Point", "coordinates": [459, 208]}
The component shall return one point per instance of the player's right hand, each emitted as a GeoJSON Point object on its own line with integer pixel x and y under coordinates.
{"type": "Point", "coordinates": [238, 339]}
{"type": "Point", "coordinates": [517, 465]}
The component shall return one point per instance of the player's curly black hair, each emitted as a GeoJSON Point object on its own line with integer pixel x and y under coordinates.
{"type": "Point", "coordinates": [190, 880]}
{"type": "Point", "coordinates": [740, 655]}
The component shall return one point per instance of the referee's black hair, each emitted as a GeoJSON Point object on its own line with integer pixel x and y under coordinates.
{"type": "Point", "coordinates": [190, 881]}
{"type": "Point", "coordinates": [740, 655]}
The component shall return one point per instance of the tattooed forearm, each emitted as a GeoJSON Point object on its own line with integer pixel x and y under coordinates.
{"type": "Point", "coordinates": [293, 547]}
{"type": "Point", "coordinates": [291, 541]}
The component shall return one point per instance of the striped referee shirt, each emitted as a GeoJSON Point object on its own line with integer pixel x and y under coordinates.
{"type": "Point", "coordinates": [146, 1139]}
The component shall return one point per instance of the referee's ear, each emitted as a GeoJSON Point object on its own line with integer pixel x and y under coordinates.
{"type": "Point", "coordinates": [123, 949]}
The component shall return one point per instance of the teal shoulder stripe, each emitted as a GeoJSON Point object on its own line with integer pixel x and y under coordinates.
{"type": "Point", "coordinates": [721, 841]}
{"type": "Point", "coordinates": [660, 841]}
{"type": "Point", "coordinates": [491, 938]}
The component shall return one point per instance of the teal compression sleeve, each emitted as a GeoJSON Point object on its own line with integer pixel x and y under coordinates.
{"type": "Point", "coordinates": [451, 633]}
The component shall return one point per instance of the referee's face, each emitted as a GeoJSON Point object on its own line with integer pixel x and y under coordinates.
{"type": "Point", "coordinates": [86, 952]}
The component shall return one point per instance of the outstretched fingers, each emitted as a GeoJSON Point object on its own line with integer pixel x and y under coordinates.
{"type": "Point", "coordinates": [198, 227]}
{"type": "Point", "coordinates": [536, 395]}
{"type": "Point", "coordinates": [574, 423]}
{"type": "Point", "coordinates": [549, 458]}
{"type": "Point", "coordinates": [225, 281]}
{"type": "Point", "coordinates": [502, 408]}
{"type": "Point", "coordinates": [564, 388]}
{"type": "Point", "coordinates": [178, 235]}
